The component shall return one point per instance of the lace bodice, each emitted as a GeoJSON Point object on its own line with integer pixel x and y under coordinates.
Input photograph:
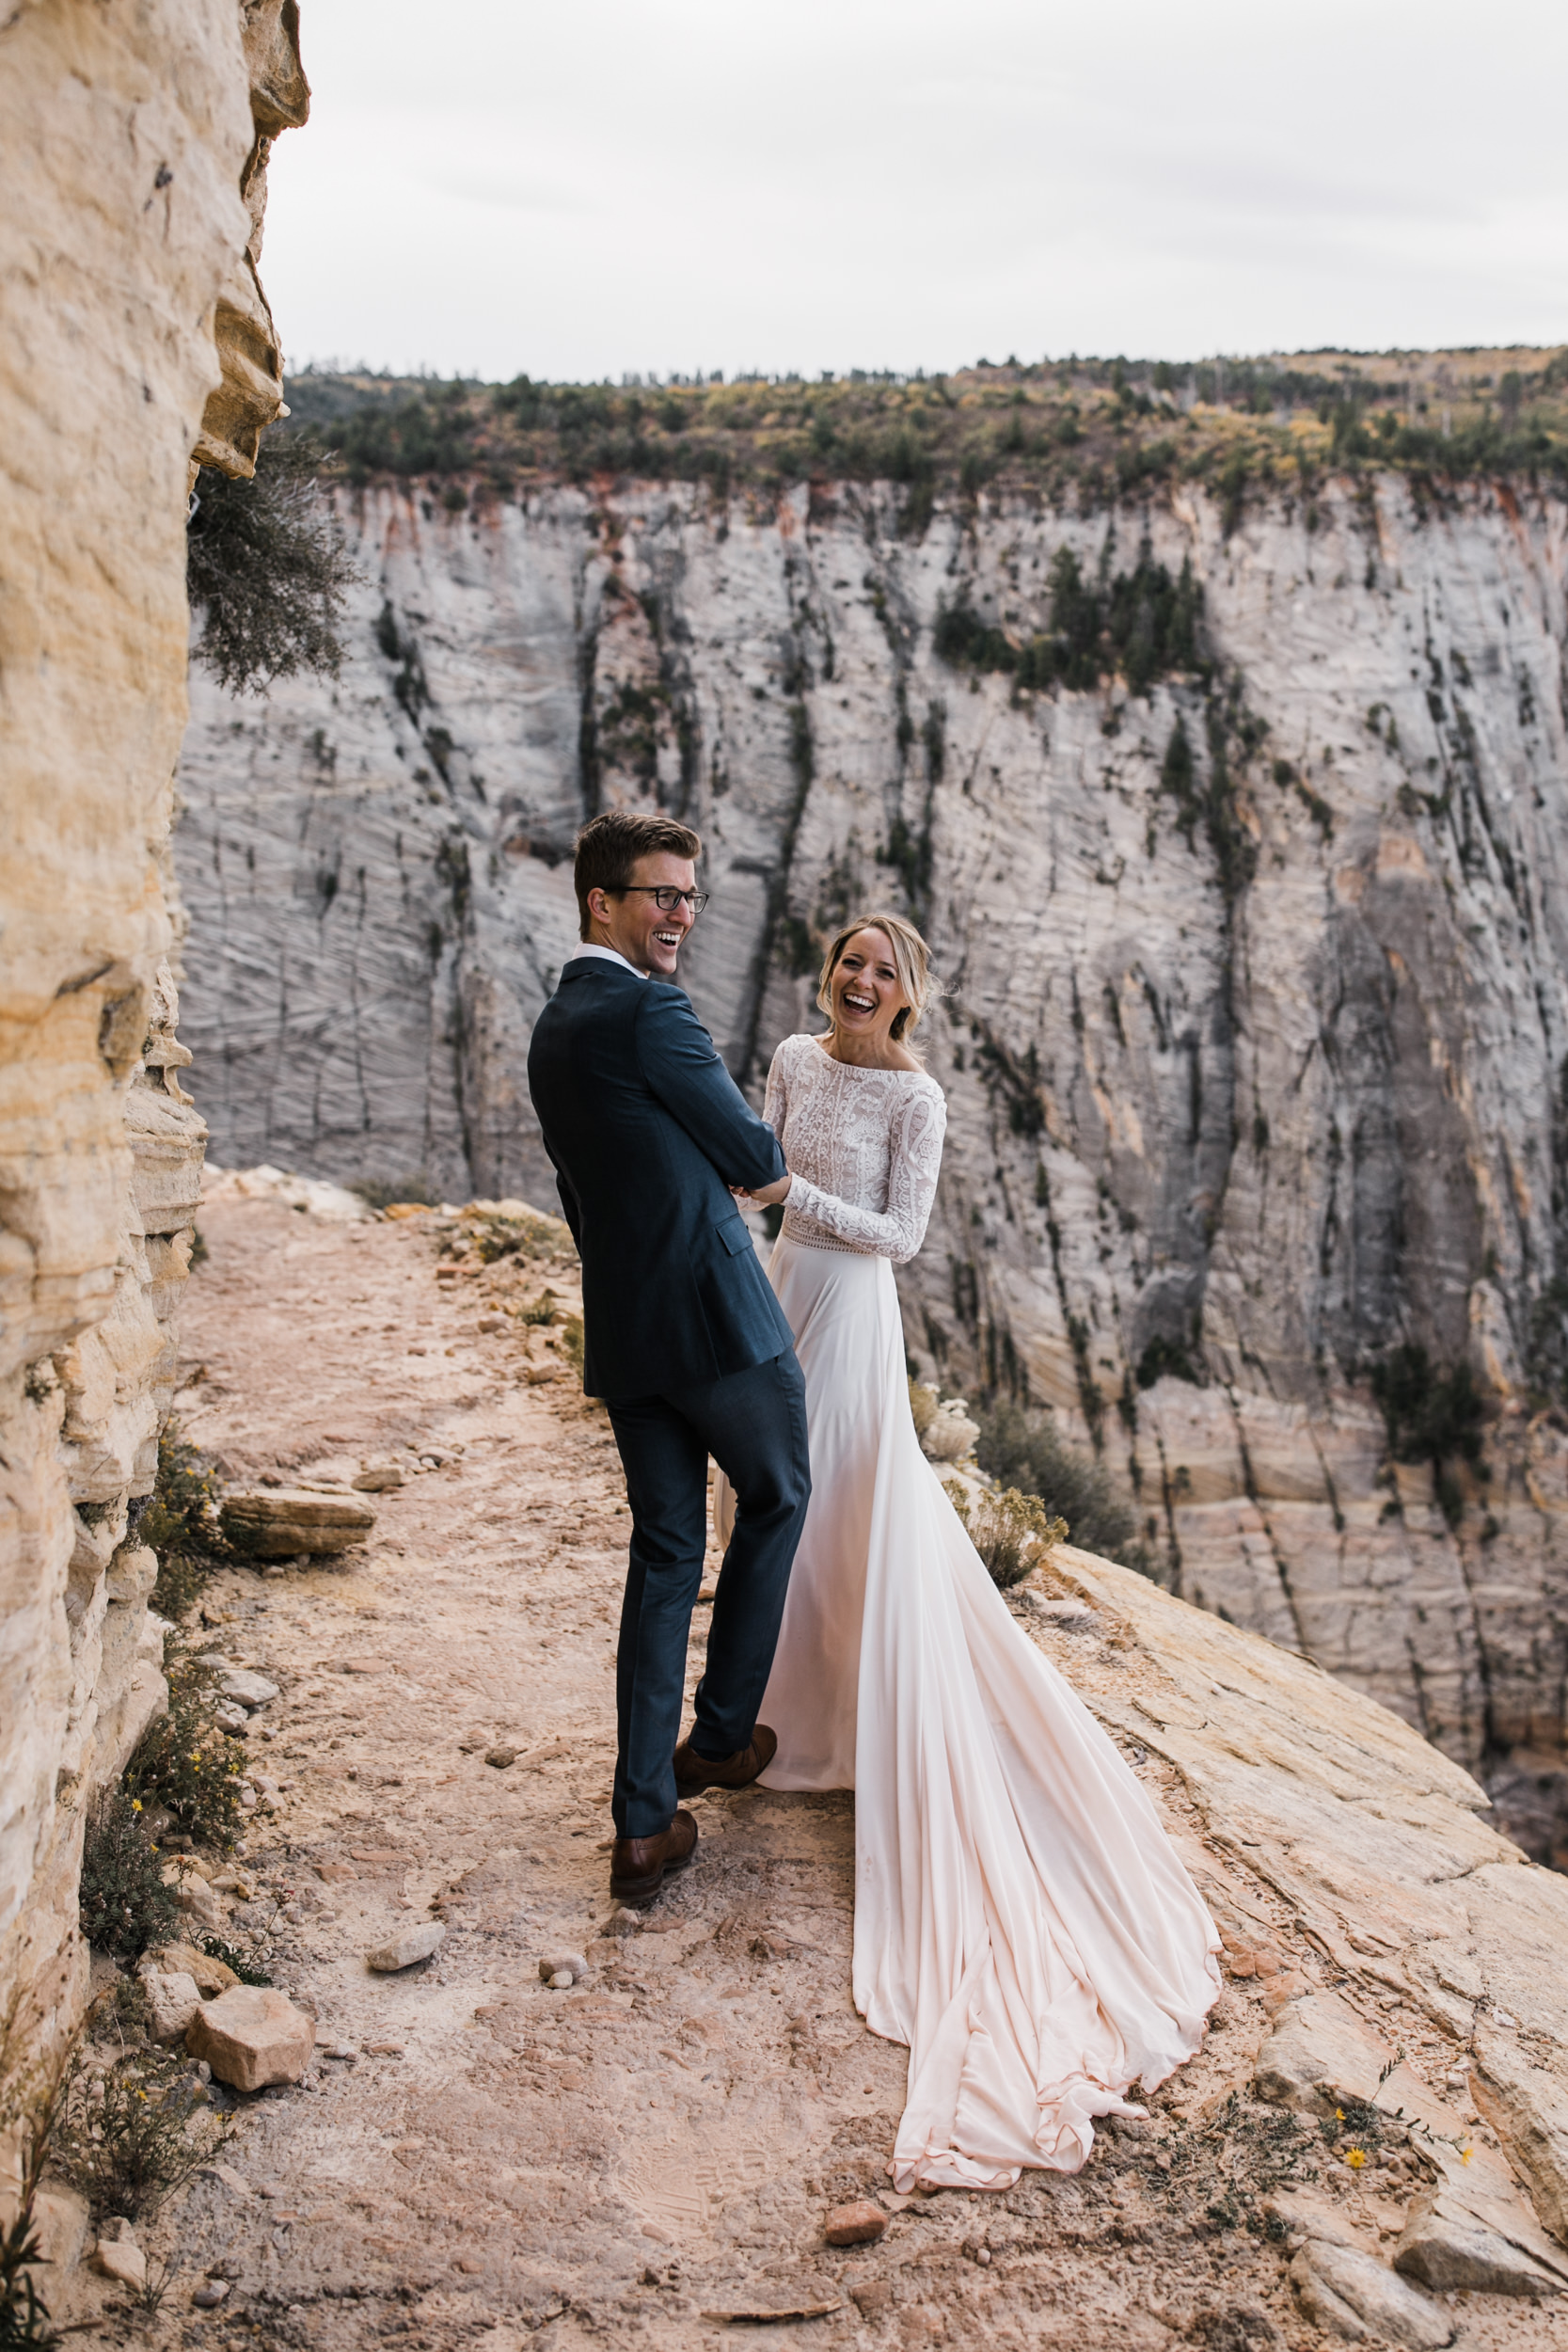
{"type": "Point", "coordinates": [863, 1147]}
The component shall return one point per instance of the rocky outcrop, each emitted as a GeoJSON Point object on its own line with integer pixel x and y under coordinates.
{"type": "Point", "coordinates": [125, 134]}
{"type": "Point", "coordinates": [1258, 1008]}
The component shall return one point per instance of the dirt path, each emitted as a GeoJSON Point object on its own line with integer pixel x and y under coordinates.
{"type": "Point", "coordinates": [493, 2162]}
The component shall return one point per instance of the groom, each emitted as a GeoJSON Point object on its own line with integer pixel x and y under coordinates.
{"type": "Point", "coordinates": [684, 1341]}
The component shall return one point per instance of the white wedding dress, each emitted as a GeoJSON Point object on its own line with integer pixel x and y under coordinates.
{"type": "Point", "coordinates": [1021, 1920]}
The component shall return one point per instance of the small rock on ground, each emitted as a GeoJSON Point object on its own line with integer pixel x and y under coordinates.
{"type": "Point", "coordinates": [414, 1944]}
{"type": "Point", "coordinates": [854, 2225]}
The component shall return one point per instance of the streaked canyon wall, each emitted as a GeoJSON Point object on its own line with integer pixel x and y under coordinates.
{"type": "Point", "coordinates": [1255, 1053]}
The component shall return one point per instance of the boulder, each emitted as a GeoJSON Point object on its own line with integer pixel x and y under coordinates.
{"type": "Point", "coordinates": [212, 1976]}
{"type": "Point", "coordinates": [172, 1999]}
{"type": "Point", "coordinates": [1444, 2247]}
{"type": "Point", "coordinates": [949, 1435]}
{"type": "Point", "coordinates": [1354, 2296]}
{"type": "Point", "coordinates": [414, 1944]}
{"type": "Point", "coordinates": [278, 1522]}
{"type": "Point", "coordinates": [251, 2035]}
{"type": "Point", "coordinates": [1319, 2054]}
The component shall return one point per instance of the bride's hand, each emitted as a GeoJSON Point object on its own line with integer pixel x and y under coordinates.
{"type": "Point", "coordinates": [770, 1195]}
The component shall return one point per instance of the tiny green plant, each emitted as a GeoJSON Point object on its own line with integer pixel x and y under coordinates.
{"type": "Point", "coordinates": [244, 1967]}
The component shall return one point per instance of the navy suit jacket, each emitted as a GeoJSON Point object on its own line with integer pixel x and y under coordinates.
{"type": "Point", "coordinates": [647, 1131]}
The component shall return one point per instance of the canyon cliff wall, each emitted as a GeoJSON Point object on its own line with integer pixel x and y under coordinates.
{"type": "Point", "coordinates": [130, 148]}
{"type": "Point", "coordinates": [1258, 978]}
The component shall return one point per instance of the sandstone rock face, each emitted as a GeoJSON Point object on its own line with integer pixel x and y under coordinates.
{"type": "Point", "coordinates": [124, 135]}
{"type": "Point", "coordinates": [1252, 1074]}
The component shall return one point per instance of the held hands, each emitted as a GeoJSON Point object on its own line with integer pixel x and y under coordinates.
{"type": "Point", "coordinates": [766, 1196]}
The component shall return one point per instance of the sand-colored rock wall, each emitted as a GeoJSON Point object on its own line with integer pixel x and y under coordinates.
{"type": "Point", "coordinates": [125, 137]}
{"type": "Point", "coordinates": [1265, 1069]}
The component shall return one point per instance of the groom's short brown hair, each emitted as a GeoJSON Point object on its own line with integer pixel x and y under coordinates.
{"type": "Point", "coordinates": [608, 846]}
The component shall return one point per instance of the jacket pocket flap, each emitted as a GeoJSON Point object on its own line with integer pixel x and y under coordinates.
{"type": "Point", "coordinates": [735, 1236]}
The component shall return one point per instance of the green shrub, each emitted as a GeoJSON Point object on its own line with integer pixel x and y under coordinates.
{"type": "Point", "coordinates": [184, 1763]}
{"type": "Point", "coordinates": [1012, 1531]}
{"type": "Point", "coordinates": [380, 1192]}
{"type": "Point", "coordinates": [180, 1525]}
{"type": "Point", "coordinates": [127, 2142]}
{"type": "Point", "coordinates": [1431, 1416]}
{"type": "Point", "coordinates": [267, 570]}
{"type": "Point", "coordinates": [125, 1906]}
{"type": "Point", "coordinates": [1142, 625]}
{"type": "Point", "coordinates": [1021, 1449]}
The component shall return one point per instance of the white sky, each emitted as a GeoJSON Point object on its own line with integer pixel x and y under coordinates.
{"type": "Point", "coordinates": [609, 185]}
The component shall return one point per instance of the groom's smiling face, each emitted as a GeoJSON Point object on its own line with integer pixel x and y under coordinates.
{"type": "Point", "coordinates": [632, 922]}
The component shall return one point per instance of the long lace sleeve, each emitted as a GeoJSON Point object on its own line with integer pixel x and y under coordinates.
{"type": "Point", "coordinates": [915, 1164]}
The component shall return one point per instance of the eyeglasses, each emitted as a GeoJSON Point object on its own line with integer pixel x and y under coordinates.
{"type": "Point", "coordinates": [669, 900]}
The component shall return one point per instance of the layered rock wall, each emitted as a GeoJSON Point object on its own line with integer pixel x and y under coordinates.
{"type": "Point", "coordinates": [1254, 1053]}
{"type": "Point", "coordinates": [125, 136]}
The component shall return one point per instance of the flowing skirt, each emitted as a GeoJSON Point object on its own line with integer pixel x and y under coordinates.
{"type": "Point", "coordinates": [1023, 1923]}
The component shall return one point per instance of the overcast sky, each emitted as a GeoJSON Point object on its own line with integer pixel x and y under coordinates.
{"type": "Point", "coordinates": [608, 185]}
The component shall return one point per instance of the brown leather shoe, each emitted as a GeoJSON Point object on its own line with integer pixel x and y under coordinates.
{"type": "Point", "coordinates": [640, 1866]}
{"type": "Point", "coordinates": [694, 1772]}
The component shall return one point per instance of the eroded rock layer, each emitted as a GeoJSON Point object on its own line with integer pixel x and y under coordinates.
{"type": "Point", "coordinates": [1257, 1004]}
{"type": "Point", "coordinates": [124, 138]}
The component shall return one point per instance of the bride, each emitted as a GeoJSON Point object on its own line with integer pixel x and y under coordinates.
{"type": "Point", "coordinates": [1021, 1921]}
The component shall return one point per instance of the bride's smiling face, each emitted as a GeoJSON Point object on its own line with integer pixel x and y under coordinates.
{"type": "Point", "coordinates": [868, 998]}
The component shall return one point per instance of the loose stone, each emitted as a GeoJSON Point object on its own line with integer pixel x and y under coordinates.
{"type": "Point", "coordinates": [414, 1944]}
{"type": "Point", "coordinates": [854, 2225]}
{"type": "Point", "coordinates": [251, 2035]}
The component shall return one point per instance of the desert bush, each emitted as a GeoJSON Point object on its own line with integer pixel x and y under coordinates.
{"type": "Point", "coordinates": [180, 1525]}
{"type": "Point", "coordinates": [380, 1192]}
{"type": "Point", "coordinates": [923, 1406]}
{"type": "Point", "coordinates": [267, 570]}
{"type": "Point", "coordinates": [1022, 1448]}
{"type": "Point", "coordinates": [127, 2141]}
{"type": "Point", "coordinates": [35, 2073]}
{"type": "Point", "coordinates": [184, 1763]}
{"type": "Point", "coordinates": [125, 1906]}
{"type": "Point", "coordinates": [1012, 1531]}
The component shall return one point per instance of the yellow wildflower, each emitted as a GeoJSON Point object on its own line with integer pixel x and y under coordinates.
{"type": "Point", "coordinates": [136, 1804]}
{"type": "Point", "coordinates": [1338, 2115]}
{"type": "Point", "coordinates": [1464, 2155]}
{"type": "Point", "coordinates": [1356, 2158]}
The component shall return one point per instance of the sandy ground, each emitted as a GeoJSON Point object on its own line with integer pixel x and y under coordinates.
{"type": "Point", "coordinates": [649, 2154]}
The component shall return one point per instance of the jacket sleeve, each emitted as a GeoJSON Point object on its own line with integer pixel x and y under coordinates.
{"type": "Point", "coordinates": [681, 1065]}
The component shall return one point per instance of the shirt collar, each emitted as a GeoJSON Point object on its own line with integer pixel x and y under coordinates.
{"type": "Point", "coordinates": [610, 955]}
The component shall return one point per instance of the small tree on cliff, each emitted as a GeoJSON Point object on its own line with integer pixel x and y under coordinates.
{"type": "Point", "coordinates": [267, 570]}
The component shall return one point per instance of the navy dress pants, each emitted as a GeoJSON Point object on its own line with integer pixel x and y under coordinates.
{"type": "Point", "coordinates": [753, 1423]}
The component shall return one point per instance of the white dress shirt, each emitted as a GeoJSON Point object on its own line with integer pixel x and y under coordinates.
{"type": "Point", "coordinates": [610, 955]}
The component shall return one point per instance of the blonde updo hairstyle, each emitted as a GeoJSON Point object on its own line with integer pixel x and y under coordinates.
{"type": "Point", "coordinates": [912, 961]}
